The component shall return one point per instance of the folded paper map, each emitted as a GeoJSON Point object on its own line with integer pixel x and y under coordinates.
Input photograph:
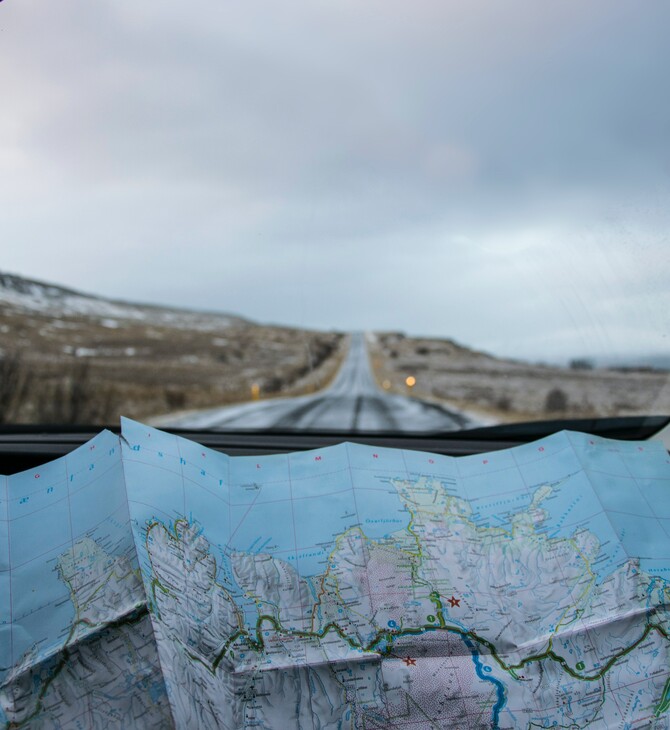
{"type": "Point", "coordinates": [147, 581]}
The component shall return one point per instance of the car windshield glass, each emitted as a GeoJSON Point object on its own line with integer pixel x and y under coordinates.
{"type": "Point", "coordinates": [425, 217]}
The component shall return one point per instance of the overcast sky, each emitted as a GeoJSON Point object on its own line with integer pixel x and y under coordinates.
{"type": "Point", "coordinates": [497, 172]}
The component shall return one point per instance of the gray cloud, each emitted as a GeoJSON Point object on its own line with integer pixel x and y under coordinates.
{"type": "Point", "coordinates": [499, 173]}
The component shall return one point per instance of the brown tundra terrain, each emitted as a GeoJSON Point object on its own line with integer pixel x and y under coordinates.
{"type": "Point", "coordinates": [66, 357]}
{"type": "Point", "coordinates": [502, 390]}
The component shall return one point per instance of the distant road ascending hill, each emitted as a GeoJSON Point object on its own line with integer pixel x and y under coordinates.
{"type": "Point", "coordinates": [353, 402]}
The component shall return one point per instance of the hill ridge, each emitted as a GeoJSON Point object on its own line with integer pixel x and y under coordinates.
{"type": "Point", "coordinates": [36, 296]}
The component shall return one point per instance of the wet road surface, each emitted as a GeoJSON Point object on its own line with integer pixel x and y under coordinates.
{"type": "Point", "coordinates": [353, 402]}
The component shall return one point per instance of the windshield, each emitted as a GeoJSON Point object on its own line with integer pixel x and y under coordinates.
{"type": "Point", "coordinates": [361, 217]}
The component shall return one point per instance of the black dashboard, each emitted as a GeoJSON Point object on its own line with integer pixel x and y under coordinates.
{"type": "Point", "coordinates": [25, 447]}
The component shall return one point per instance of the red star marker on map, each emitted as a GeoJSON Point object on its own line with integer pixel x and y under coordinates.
{"type": "Point", "coordinates": [409, 661]}
{"type": "Point", "coordinates": [454, 601]}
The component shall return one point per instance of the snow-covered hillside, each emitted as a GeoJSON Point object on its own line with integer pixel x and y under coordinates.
{"type": "Point", "coordinates": [21, 295]}
{"type": "Point", "coordinates": [68, 357]}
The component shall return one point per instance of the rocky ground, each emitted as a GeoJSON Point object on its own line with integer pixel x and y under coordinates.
{"type": "Point", "coordinates": [66, 357]}
{"type": "Point", "coordinates": [500, 390]}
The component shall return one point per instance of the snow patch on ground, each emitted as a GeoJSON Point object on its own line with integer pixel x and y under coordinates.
{"type": "Point", "coordinates": [33, 297]}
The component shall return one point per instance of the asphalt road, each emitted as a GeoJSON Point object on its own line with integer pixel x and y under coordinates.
{"type": "Point", "coordinates": [353, 402]}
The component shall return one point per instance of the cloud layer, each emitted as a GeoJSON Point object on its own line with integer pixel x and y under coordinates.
{"type": "Point", "coordinates": [498, 173]}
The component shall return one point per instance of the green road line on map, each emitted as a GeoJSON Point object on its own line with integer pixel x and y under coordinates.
{"type": "Point", "coordinates": [226, 646]}
{"type": "Point", "coordinates": [389, 635]}
{"type": "Point", "coordinates": [133, 617]}
{"type": "Point", "coordinates": [410, 529]}
{"type": "Point", "coordinates": [550, 654]}
{"type": "Point", "coordinates": [435, 598]}
{"type": "Point", "coordinates": [664, 704]}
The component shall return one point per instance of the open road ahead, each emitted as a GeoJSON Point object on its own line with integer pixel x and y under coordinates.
{"type": "Point", "coordinates": [353, 402]}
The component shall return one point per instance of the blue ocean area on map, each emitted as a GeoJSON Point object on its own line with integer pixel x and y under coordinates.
{"type": "Point", "coordinates": [52, 507]}
{"type": "Point", "coordinates": [290, 486]}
